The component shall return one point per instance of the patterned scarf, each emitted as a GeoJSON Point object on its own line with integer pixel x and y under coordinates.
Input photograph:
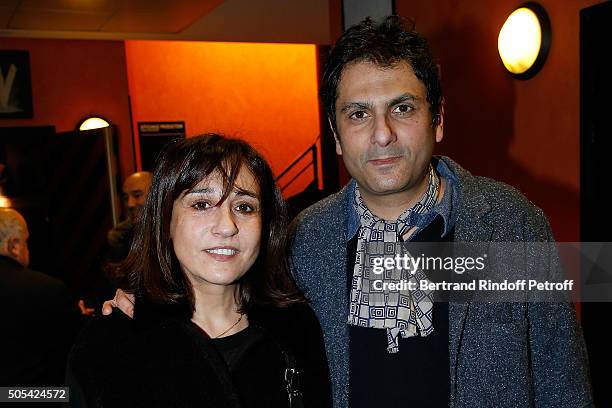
{"type": "Point", "coordinates": [402, 312]}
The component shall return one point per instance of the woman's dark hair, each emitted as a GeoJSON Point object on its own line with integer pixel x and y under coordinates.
{"type": "Point", "coordinates": [151, 267]}
{"type": "Point", "coordinates": [385, 45]}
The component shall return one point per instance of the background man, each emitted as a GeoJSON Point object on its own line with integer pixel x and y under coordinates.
{"type": "Point", "coordinates": [135, 190]}
{"type": "Point", "coordinates": [39, 317]}
{"type": "Point", "coordinates": [103, 285]}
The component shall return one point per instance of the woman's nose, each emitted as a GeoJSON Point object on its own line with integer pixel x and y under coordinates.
{"type": "Point", "coordinates": [224, 225]}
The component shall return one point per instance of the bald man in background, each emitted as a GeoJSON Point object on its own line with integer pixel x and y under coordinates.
{"type": "Point", "coordinates": [103, 285]}
{"type": "Point", "coordinates": [105, 281]}
{"type": "Point", "coordinates": [135, 190]}
{"type": "Point", "coordinates": [39, 317]}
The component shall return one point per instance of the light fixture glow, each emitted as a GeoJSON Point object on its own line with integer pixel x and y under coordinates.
{"type": "Point", "coordinates": [5, 202]}
{"type": "Point", "coordinates": [524, 40]}
{"type": "Point", "coordinates": [93, 123]}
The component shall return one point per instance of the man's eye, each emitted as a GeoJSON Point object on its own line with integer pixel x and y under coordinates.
{"type": "Point", "coordinates": [245, 208]}
{"type": "Point", "coordinates": [403, 108]}
{"type": "Point", "coordinates": [201, 205]}
{"type": "Point", "coordinates": [358, 115]}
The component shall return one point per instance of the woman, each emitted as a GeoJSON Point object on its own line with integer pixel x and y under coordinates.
{"type": "Point", "coordinates": [218, 321]}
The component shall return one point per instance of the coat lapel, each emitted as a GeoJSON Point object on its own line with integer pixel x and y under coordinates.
{"type": "Point", "coordinates": [472, 226]}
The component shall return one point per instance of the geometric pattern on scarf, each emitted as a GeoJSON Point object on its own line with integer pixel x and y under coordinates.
{"type": "Point", "coordinates": [402, 313]}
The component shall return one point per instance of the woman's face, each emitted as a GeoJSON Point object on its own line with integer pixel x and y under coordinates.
{"type": "Point", "coordinates": [216, 245]}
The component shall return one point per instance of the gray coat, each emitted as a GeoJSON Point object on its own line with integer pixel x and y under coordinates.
{"type": "Point", "coordinates": [501, 355]}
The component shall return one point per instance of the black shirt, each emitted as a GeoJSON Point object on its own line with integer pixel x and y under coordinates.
{"type": "Point", "coordinates": [418, 375]}
{"type": "Point", "coordinates": [254, 350]}
{"type": "Point", "coordinates": [233, 348]}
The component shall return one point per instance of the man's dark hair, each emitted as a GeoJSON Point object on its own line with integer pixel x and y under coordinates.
{"type": "Point", "coordinates": [151, 267]}
{"type": "Point", "coordinates": [385, 45]}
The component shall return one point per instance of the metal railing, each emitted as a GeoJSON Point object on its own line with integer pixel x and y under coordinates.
{"type": "Point", "coordinates": [311, 154]}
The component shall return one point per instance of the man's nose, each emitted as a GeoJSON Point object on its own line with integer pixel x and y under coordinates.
{"type": "Point", "coordinates": [383, 131]}
{"type": "Point", "coordinates": [225, 224]}
{"type": "Point", "coordinates": [131, 203]}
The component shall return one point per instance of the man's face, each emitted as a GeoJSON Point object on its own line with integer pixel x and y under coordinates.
{"type": "Point", "coordinates": [135, 190]}
{"type": "Point", "coordinates": [384, 130]}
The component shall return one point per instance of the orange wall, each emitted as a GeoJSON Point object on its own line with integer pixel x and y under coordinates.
{"type": "Point", "coordinates": [72, 79]}
{"type": "Point", "coordinates": [523, 132]}
{"type": "Point", "coordinates": [263, 93]}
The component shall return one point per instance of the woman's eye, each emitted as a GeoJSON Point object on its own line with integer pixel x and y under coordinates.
{"type": "Point", "coordinates": [403, 108]}
{"type": "Point", "coordinates": [358, 115]}
{"type": "Point", "coordinates": [245, 208]}
{"type": "Point", "coordinates": [201, 205]}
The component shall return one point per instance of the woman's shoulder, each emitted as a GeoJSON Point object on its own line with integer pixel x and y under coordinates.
{"type": "Point", "coordinates": [101, 328]}
{"type": "Point", "coordinates": [99, 337]}
{"type": "Point", "coordinates": [94, 359]}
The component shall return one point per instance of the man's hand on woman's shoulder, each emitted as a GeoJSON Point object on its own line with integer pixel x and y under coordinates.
{"type": "Point", "coordinates": [123, 301]}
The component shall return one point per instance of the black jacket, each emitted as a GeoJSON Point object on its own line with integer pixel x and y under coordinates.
{"type": "Point", "coordinates": [39, 319]}
{"type": "Point", "coordinates": [162, 359]}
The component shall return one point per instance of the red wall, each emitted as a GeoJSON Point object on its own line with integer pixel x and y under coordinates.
{"type": "Point", "coordinates": [72, 79]}
{"type": "Point", "coordinates": [523, 132]}
{"type": "Point", "coordinates": [263, 93]}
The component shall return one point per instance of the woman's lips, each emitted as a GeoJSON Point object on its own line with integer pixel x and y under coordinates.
{"type": "Point", "coordinates": [222, 254]}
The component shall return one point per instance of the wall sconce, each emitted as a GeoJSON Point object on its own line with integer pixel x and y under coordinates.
{"type": "Point", "coordinates": [524, 40]}
{"type": "Point", "coordinates": [93, 122]}
{"type": "Point", "coordinates": [5, 202]}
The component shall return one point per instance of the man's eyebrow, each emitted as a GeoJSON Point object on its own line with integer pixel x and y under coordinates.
{"type": "Point", "coordinates": [368, 105]}
{"type": "Point", "coordinates": [356, 105]}
{"type": "Point", "coordinates": [403, 98]}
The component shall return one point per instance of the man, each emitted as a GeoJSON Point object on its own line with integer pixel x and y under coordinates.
{"type": "Point", "coordinates": [135, 190]}
{"type": "Point", "coordinates": [39, 318]}
{"type": "Point", "coordinates": [382, 95]}
{"type": "Point", "coordinates": [105, 282]}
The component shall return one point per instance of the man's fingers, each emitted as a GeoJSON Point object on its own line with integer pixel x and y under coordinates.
{"type": "Point", "coordinates": [125, 302]}
{"type": "Point", "coordinates": [107, 307]}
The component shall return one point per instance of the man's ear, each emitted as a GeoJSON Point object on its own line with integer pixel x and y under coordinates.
{"type": "Point", "coordinates": [440, 125]}
{"type": "Point", "coordinates": [14, 247]}
{"type": "Point", "coordinates": [336, 138]}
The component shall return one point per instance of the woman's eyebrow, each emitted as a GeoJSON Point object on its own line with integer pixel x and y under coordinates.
{"type": "Point", "coordinates": [204, 190]}
{"type": "Point", "coordinates": [248, 193]}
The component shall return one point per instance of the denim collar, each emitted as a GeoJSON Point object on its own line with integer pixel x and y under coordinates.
{"type": "Point", "coordinates": [446, 208]}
